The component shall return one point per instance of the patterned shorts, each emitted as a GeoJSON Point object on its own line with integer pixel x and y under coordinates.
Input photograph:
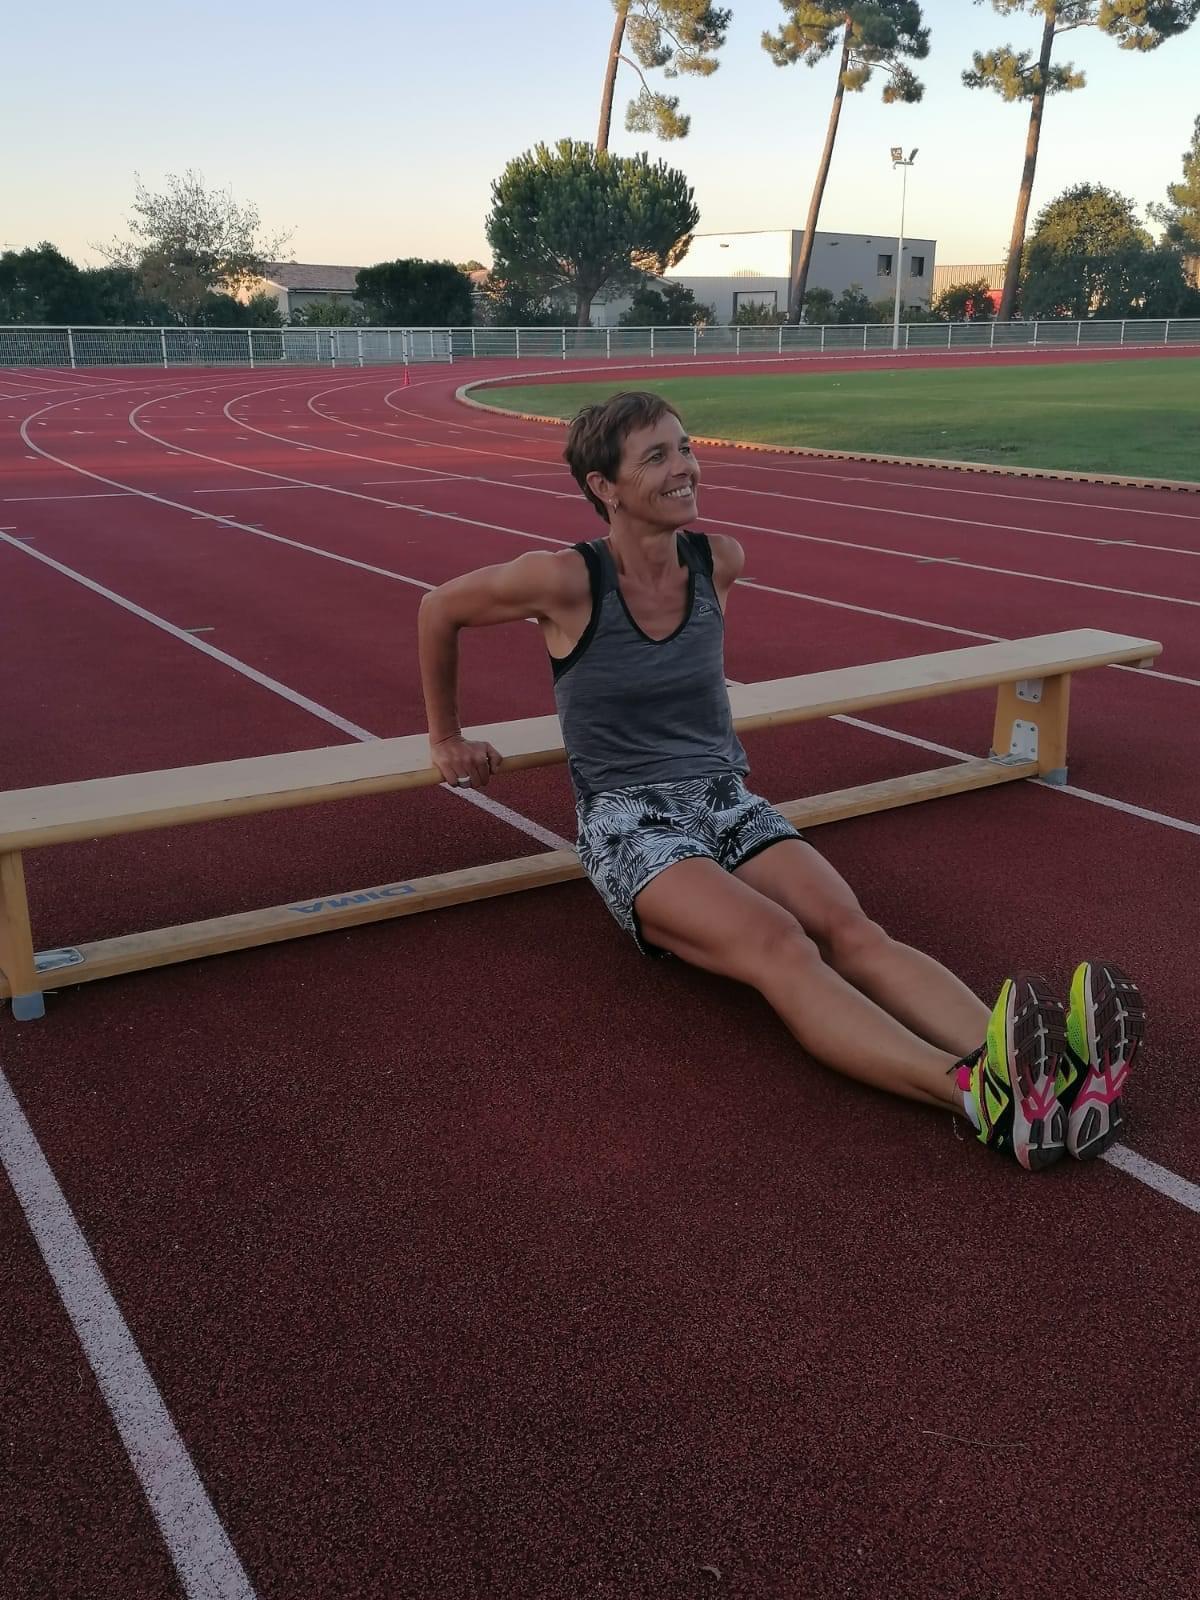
{"type": "Point", "coordinates": [628, 836]}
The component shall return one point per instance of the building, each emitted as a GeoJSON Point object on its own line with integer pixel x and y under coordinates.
{"type": "Point", "coordinates": [989, 272]}
{"type": "Point", "coordinates": [728, 270]}
{"type": "Point", "coordinates": [296, 283]}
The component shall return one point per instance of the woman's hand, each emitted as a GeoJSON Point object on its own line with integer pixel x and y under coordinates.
{"type": "Point", "coordinates": [465, 763]}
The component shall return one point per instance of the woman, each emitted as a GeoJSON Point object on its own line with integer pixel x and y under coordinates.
{"type": "Point", "coordinates": [691, 863]}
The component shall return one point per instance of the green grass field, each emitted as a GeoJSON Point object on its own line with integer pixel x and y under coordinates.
{"type": "Point", "coordinates": [1135, 417]}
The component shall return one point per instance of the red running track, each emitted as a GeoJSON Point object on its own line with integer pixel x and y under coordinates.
{"type": "Point", "coordinates": [471, 1254]}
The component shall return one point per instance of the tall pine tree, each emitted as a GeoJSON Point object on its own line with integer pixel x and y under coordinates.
{"type": "Point", "coordinates": [870, 36]}
{"type": "Point", "coordinates": [1017, 75]}
{"type": "Point", "coordinates": [676, 35]}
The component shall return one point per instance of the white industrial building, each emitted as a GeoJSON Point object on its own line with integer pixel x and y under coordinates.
{"type": "Point", "coordinates": [728, 270]}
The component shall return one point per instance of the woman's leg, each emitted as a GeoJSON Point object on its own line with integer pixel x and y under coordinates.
{"type": "Point", "coordinates": [911, 986]}
{"type": "Point", "coordinates": [718, 921]}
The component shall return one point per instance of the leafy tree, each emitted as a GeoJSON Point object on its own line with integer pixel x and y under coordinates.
{"type": "Point", "coordinates": [470, 266]}
{"type": "Point", "coordinates": [418, 293]}
{"type": "Point", "coordinates": [662, 303]}
{"type": "Point", "coordinates": [1089, 256]}
{"type": "Point", "coordinates": [188, 241]}
{"type": "Point", "coordinates": [509, 303]}
{"type": "Point", "coordinates": [757, 314]}
{"type": "Point", "coordinates": [677, 35]}
{"type": "Point", "coordinates": [1141, 281]}
{"type": "Point", "coordinates": [853, 306]}
{"type": "Point", "coordinates": [40, 284]}
{"type": "Point", "coordinates": [114, 295]}
{"type": "Point", "coordinates": [1068, 262]}
{"type": "Point", "coordinates": [261, 310]}
{"type": "Point", "coordinates": [966, 302]}
{"type": "Point", "coordinates": [1181, 218]}
{"type": "Point", "coordinates": [818, 305]}
{"type": "Point", "coordinates": [870, 35]}
{"type": "Point", "coordinates": [1017, 75]}
{"type": "Point", "coordinates": [570, 218]}
{"type": "Point", "coordinates": [328, 314]}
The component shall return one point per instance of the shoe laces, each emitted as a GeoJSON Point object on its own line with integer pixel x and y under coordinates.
{"type": "Point", "coordinates": [970, 1061]}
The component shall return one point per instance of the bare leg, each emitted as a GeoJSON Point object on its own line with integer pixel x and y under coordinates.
{"type": "Point", "coordinates": [909, 985]}
{"type": "Point", "coordinates": [713, 920]}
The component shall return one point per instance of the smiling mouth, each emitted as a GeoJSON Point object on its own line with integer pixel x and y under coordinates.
{"type": "Point", "coordinates": [685, 493]}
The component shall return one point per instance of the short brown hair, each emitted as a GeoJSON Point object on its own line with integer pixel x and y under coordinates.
{"type": "Point", "coordinates": [598, 433]}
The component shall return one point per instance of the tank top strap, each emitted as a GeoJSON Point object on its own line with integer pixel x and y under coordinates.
{"type": "Point", "coordinates": [602, 574]}
{"type": "Point", "coordinates": [696, 552]}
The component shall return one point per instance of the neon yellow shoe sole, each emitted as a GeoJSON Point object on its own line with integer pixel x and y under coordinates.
{"type": "Point", "coordinates": [1013, 1079]}
{"type": "Point", "coordinates": [1105, 1027]}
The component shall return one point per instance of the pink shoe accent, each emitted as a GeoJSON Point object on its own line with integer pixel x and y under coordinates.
{"type": "Point", "coordinates": [1104, 1084]}
{"type": "Point", "coordinates": [1038, 1105]}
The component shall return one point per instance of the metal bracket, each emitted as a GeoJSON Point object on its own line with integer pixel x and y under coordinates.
{"type": "Point", "coordinates": [1024, 741]}
{"type": "Point", "coordinates": [53, 960]}
{"type": "Point", "coordinates": [1030, 689]}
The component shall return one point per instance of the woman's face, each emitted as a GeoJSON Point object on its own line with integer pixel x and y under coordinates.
{"type": "Point", "coordinates": [657, 478]}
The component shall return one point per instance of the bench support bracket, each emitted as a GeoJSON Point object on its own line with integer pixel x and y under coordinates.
{"type": "Point", "coordinates": [1031, 724]}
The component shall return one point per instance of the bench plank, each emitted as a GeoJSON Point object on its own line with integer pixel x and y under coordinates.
{"type": "Point", "coordinates": [243, 930]}
{"type": "Point", "coordinates": [57, 814]}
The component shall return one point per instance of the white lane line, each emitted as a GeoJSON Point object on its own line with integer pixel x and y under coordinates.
{"type": "Point", "coordinates": [251, 488]}
{"type": "Point", "coordinates": [210, 650]}
{"type": "Point", "coordinates": [1142, 812]}
{"type": "Point", "coordinates": [204, 1558]}
{"type": "Point", "coordinates": [484, 802]}
{"type": "Point", "coordinates": [26, 499]}
{"type": "Point", "coordinates": [449, 477]}
{"type": "Point", "coordinates": [519, 533]}
{"type": "Point", "coordinates": [933, 516]}
{"type": "Point", "coordinates": [1153, 1176]}
{"type": "Point", "coordinates": [784, 533]}
{"type": "Point", "coordinates": [921, 487]}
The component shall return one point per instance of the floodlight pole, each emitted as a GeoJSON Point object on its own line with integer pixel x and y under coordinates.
{"type": "Point", "coordinates": [899, 161]}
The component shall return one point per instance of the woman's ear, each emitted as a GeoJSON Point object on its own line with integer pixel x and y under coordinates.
{"type": "Point", "coordinates": [603, 489]}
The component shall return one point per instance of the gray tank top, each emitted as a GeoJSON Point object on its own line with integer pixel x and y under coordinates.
{"type": "Point", "coordinates": [637, 710]}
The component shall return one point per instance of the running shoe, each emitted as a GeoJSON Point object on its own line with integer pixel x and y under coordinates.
{"type": "Point", "coordinates": [1012, 1074]}
{"type": "Point", "coordinates": [1105, 1024]}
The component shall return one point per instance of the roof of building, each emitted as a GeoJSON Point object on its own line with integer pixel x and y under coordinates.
{"type": "Point", "coordinates": [304, 275]}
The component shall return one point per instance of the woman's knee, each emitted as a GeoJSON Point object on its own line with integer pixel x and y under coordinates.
{"type": "Point", "coordinates": [774, 950]}
{"type": "Point", "coordinates": [854, 942]}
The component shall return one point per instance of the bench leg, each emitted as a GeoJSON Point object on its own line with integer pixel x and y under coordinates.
{"type": "Point", "coordinates": [16, 942]}
{"type": "Point", "coordinates": [1031, 724]}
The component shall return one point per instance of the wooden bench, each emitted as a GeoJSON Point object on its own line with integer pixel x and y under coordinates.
{"type": "Point", "coordinates": [1029, 739]}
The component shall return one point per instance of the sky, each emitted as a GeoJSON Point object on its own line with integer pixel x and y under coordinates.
{"type": "Point", "coordinates": [376, 132]}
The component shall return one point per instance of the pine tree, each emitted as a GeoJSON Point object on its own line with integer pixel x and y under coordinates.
{"type": "Point", "coordinates": [870, 35]}
{"type": "Point", "coordinates": [676, 35]}
{"type": "Point", "coordinates": [1016, 75]}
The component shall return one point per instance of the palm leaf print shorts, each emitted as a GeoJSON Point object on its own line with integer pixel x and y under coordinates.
{"type": "Point", "coordinates": [628, 836]}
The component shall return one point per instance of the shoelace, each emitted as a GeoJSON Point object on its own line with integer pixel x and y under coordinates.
{"type": "Point", "coordinates": [969, 1062]}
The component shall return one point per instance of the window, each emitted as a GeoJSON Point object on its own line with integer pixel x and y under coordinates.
{"type": "Point", "coordinates": [918, 267]}
{"type": "Point", "coordinates": [885, 266]}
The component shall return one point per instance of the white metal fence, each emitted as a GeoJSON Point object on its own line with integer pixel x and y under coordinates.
{"type": "Point", "coordinates": [360, 347]}
{"type": "Point", "coordinates": [221, 347]}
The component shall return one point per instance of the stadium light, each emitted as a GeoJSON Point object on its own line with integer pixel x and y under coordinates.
{"type": "Point", "coordinates": [899, 161]}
